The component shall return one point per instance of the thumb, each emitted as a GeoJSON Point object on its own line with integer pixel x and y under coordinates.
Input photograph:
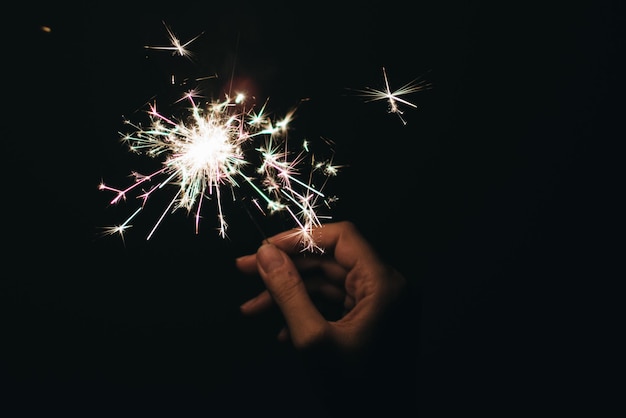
{"type": "Point", "coordinates": [282, 279]}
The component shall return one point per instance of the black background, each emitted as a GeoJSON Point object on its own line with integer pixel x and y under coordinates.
{"type": "Point", "coordinates": [497, 200]}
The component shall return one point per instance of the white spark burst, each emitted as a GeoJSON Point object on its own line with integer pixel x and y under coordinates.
{"type": "Point", "coordinates": [393, 97]}
{"type": "Point", "coordinates": [210, 147]}
{"type": "Point", "coordinates": [209, 150]}
{"type": "Point", "coordinates": [176, 46]}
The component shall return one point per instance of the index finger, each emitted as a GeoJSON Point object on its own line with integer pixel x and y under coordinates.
{"type": "Point", "coordinates": [342, 239]}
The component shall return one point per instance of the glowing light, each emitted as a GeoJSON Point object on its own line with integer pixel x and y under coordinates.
{"type": "Point", "coordinates": [210, 147]}
{"type": "Point", "coordinates": [176, 46]}
{"type": "Point", "coordinates": [393, 97]}
{"type": "Point", "coordinates": [209, 150]}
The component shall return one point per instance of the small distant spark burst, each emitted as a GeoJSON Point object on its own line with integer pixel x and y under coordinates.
{"type": "Point", "coordinates": [207, 152]}
{"type": "Point", "coordinates": [393, 97]}
{"type": "Point", "coordinates": [176, 46]}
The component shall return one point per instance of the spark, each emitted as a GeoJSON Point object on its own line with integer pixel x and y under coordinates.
{"type": "Point", "coordinates": [208, 150]}
{"type": "Point", "coordinates": [393, 97]}
{"type": "Point", "coordinates": [176, 46]}
{"type": "Point", "coordinates": [205, 152]}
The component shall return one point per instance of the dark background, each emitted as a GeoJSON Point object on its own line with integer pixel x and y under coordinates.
{"type": "Point", "coordinates": [497, 201]}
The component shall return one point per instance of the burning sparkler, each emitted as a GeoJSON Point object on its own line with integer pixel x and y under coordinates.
{"type": "Point", "coordinates": [393, 98]}
{"type": "Point", "coordinates": [208, 151]}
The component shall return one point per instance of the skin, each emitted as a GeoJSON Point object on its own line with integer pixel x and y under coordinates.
{"type": "Point", "coordinates": [349, 273]}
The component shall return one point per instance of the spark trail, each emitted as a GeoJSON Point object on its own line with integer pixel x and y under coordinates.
{"type": "Point", "coordinates": [176, 46]}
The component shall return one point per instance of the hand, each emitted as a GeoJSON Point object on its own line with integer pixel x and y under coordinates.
{"type": "Point", "coordinates": [349, 272]}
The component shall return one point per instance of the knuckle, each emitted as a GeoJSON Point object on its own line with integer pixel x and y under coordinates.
{"type": "Point", "coordinates": [314, 337]}
{"type": "Point", "coordinates": [348, 226]}
{"type": "Point", "coordinates": [286, 287]}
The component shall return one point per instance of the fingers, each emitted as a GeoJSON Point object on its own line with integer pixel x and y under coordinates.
{"type": "Point", "coordinates": [322, 293]}
{"type": "Point", "coordinates": [305, 323]}
{"type": "Point", "coordinates": [341, 239]}
{"type": "Point", "coordinates": [349, 270]}
{"type": "Point", "coordinates": [258, 304]}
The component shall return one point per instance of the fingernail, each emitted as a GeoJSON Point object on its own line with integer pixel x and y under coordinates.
{"type": "Point", "coordinates": [269, 257]}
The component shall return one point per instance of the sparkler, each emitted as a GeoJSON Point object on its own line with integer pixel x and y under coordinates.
{"type": "Point", "coordinates": [206, 150]}
{"type": "Point", "coordinates": [209, 150]}
{"type": "Point", "coordinates": [393, 98]}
